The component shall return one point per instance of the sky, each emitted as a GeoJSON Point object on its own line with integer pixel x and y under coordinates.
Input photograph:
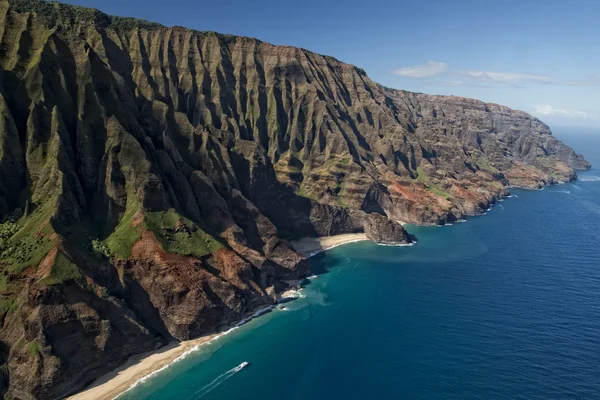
{"type": "Point", "coordinates": [542, 57]}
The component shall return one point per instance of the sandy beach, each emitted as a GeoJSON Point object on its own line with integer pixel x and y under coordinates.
{"type": "Point", "coordinates": [143, 365]}
{"type": "Point", "coordinates": [309, 246]}
{"type": "Point", "coordinates": [139, 366]}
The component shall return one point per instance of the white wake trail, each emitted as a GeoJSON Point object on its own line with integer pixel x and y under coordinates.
{"type": "Point", "coordinates": [217, 381]}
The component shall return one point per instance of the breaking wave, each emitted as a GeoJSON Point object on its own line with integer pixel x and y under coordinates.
{"type": "Point", "coordinates": [292, 294]}
{"type": "Point", "coordinates": [397, 244]}
{"type": "Point", "coordinates": [197, 347]}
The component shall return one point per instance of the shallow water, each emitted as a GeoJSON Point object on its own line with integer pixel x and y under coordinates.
{"type": "Point", "coordinates": [505, 306]}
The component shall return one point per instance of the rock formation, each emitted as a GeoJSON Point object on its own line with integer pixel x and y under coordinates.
{"type": "Point", "coordinates": [151, 177]}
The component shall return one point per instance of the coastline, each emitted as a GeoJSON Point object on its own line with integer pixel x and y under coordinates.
{"type": "Point", "coordinates": [310, 246]}
{"type": "Point", "coordinates": [137, 369]}
{"type": "Point", "coordinates": [141, 367]}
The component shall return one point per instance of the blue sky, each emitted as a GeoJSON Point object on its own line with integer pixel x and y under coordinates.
{"type": "Point", "coordinates": [539, 56]}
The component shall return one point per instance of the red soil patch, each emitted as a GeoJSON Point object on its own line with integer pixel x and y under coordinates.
{"type": "Point", "coordinates": [138, 218]}
{"type": "Point", "coordinates": [46, 264]}
{"type": "Point", "coordinates": [184, 269]}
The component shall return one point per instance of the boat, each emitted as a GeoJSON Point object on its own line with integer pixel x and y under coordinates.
{"type": "Point", "coordinates": [244, 365]}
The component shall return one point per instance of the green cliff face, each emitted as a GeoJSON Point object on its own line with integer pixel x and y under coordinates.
{"type": "Point", "coordinates": [150, 176]}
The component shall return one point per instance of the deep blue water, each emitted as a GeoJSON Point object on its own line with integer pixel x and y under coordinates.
{"type": "Point", "coordinates": [505, 306]}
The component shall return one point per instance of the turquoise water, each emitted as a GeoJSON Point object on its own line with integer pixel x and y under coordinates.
{"type": "Point", "coordinates": [505, 306]}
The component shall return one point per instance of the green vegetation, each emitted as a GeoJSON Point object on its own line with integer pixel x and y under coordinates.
{"type": "Point", "coordinates": [432, 187]}
{"type": "Point", "coordinates": [23, 243]}
{"type": "Point", "coordinates": [7, 231]}
{"type": "Point", "coordinates": [33, 349]}
{"type": "Point", "coordinates": [485, 165]}
{"type": "Point", "coordinates": [125, 234]}
{"type": "Point", "coordinates": [179, 235]}
{"type": "Point", "coordinates": [63, 270]}
{"type": "Point", "coordinates": [176, 233]}
{"type": "Point", "coordinates": [100, 248]}
{"type": "Point", "coordinates": [3, 283]}
{"type": "Point", "coordinates": [6, 305]}
{"type": "Point", "coordinates": [126, 24]}
{"type": "Point", "coordinates": [340, 190]}
{"type": "Point", "coordinates": [303, 193]}
{"type": "Point", "coordinates": [341, 203]}
{"type": "Point", "coordinates": [336, 163]}
{"type": "Point", "coordinates": [52, 13]}
{"type": "Point", "coordinates": [439, 192]}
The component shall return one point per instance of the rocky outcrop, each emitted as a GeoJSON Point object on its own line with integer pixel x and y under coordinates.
{"type": "Point", "coordinates": [151, 177]}
{"type": "Point", "coordinates": [382, 230]}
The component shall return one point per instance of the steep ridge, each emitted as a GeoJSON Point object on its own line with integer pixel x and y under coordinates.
{"type": "Point", "coordinates": [150, 178]}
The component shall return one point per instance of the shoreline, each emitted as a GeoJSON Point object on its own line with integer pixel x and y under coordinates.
{"type": "Point", "coordinates": [137, 369]}
{"type": "Point", "coordinates": [310, 246]}
{"type": "Point", "coordinates": [141, 367]}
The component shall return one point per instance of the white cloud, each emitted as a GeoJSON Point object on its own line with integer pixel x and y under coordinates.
{"type": "Point", "coordinates": [548, 110]}
{"type": "Point", "coordinates": [471, 77]}
{"type": "Point", "coordinates": [457, 82]}
{"type": "Point", "coordinates": [453, 82]}
{"type": "Point", "coordinates": [506, 77]}
{"type": "Point", "coordinates": [432, 68]}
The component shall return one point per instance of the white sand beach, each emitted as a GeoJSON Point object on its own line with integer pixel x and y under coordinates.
{"type": "Point", "coordinates": [119, 380]}
{"type": "Point", "coordinates": [143, 365]}
{"type": "Point", "coordinates": [309, 246]}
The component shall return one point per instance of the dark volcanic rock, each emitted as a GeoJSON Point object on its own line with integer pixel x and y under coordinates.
{"type": "Point", "coordinates": [383, 230]}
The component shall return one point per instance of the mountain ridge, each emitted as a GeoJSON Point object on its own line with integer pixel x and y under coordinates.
{"type": "Point", "coordinates": [151, 179]}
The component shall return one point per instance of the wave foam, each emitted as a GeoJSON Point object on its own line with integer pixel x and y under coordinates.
{"type": "Point", "coordinates": [195, 348]}
{"type": "Point", "coordinates": [397, 244]}
{"type": "Point", "coordinates": [589, 178]}
{"type": "Point", "coordinates": [292, 294]}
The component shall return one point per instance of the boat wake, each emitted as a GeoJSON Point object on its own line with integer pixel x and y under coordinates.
{"type": "Point", "coordinates": [218, 381]}
{"type": "Point", "coordinates": [589, 179]}
{"type": "Point", "coordinates": [198, 347]}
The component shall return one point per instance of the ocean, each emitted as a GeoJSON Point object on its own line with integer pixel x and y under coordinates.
{"type": "Point", "coordinates": [504, 306]}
